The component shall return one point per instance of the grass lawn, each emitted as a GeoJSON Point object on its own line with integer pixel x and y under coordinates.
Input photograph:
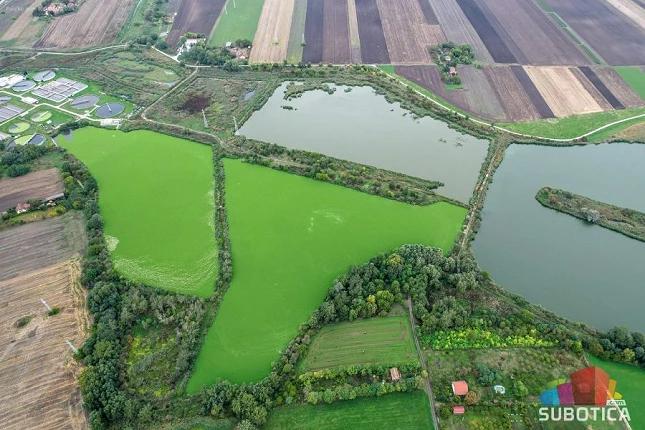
{"type": "Point", "coordinates": [571, 126]}
{"type": "Point", "coordinates": [291, 237]}
{"type": "Point", "coordinates": [630, 382]}
{"type": "Point", "coordinates": [399, 411]}
{"type": "Point", "coordinates": [240, 22]}
{"type": "Point", "coordinates": [635, 77]}
{"type": "Point", "coordinates": [156, 199]}
{"type": "Point", "coordinates": [384, 340]}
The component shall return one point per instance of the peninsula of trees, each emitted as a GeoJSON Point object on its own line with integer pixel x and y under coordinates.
{"type": "Point", "coordinates": [626, 221]}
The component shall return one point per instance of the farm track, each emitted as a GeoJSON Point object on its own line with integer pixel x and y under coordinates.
{"type": "Point", "coordinates": [35, 185]}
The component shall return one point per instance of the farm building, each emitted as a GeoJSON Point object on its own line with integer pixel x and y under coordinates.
{"type": "Point", "coordinates": [460, 388]}
{"type": "Point", "coordinates": [458, 410]}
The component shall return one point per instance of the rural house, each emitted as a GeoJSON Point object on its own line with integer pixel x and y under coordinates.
{"type": "Point", "coordinates": [460, 388]}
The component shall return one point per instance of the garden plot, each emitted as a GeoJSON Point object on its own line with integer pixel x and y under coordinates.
{"type": "Point", "coordinates": [408, 35]}
{"type": "Point", "coordinates": [383, 341]}
{"type": "Point", "coordinates": [562, 91]}
{"type": "Point", "coordinates": [39, 185]}
{"type": "Point", "coordinates": [271, 40]}
{"type": "Point", "coordinates": [38, 388]}
{"type": "Point", "coordinates": [59, 90]}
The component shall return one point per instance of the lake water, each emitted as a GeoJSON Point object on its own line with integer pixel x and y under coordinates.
{"type": "Point", "coordinates": [580, 271]}
{"type": "Point", "coordinates": [361, 126]}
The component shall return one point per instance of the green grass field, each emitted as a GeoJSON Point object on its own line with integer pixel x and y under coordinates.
{"type": "Point", "coordinates": [291, 236]}
{"type": "Point", "coordinates": [240, 22]}
{"type": "Point", "coordinates": [630, 382]}
{"type": "Point", "coordinates": [635, 77]}
{"type": "Point", "coordinates": [371, 341]}
{"type": "Point", "coordinates": [401, 411]}
{"type": "Point", "coordinates": [156, 199]}
{"type": "Point", "coordinates": [572, 126]}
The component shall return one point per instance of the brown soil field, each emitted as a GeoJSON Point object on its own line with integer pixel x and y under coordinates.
{"type": "Point", "coordinates": [562, 91]}
{"type": "Point", "coordinates": [631, 10]}
{"type": "Point", "coordinates": [40, 244]}
{"type": "Point", "coordinates": [596, 88]}
{"type": "Point", "coordinates": [336, 43]}
{"type": "Point", "coordinates": [97, 22]}
{"type": "Point", "coordinates": [408, 35]}
{"type": "Point", "coordinates": [272, 36]}
{"type": "Point", "coordinates": [354, 38]}
{"type": "Point", "coordinates": [35, 185]}
{"type": "Point", "coordinates": [525, 27]}
{"type": "Point", "coordinates": [18, 24]}
{"type": "Point", "coordinates": [430, 78]}
{"type": "Point", "coordinates": [516, 103]}
{"type": "Point", "coordinates": [38, 389]}
{"type": "Point", "coordinates": [458, 29]}
{"type": "Point", "coordinates": [370, 30]}
{"type": "Point", "coordinates": [609, 32]}
{"type": "Point", "coordinates": [618, 87]}
{"type": "Point", "coordinates": [314, 22]}
{"type": "Point", "coordinates": [196, 16]}
{"type": "Point", "coordinates": [480, 96]}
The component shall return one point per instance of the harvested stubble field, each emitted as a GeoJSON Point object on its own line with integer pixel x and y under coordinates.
{"type": "Point", "coordinates": [612, 34]}
{"type": "Point", "coordinates": [97, 22]}
{"type": "Point", "coordinates": [408, 34]}
{"type": "Point", "coordinates": [562, 91]}
{"type": "Point", "coordinates": [271, 40]}
{"type": "Point", "coordinates": [35, 185]}
{"type": "Point", "coordinates": [36, 245]}
{"type": "Point", "coordinates": [196, 16]}
{"type": "Point", "coordinates": [386, 341]}
{"type": "Point", "coordinates": [38, 389]}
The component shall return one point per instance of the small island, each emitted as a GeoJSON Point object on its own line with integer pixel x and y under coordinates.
{"type": "Point", "coordinates": [626, 221]}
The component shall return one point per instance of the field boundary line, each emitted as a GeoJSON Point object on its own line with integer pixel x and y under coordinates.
{"type": "Point", "coordinates": [497, 127]}
{"type": "Point", "coordinates": [426, 382]}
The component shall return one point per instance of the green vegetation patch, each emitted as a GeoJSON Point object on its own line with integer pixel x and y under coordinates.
{"type": "Point", "coordinates": [384, 340]}
{"type": "Point", "coordinates": [19, 127]}
{"type": "Point", "coordinates": [240, 22]}
{"type": "Point", "coordinates": [156, 199]}
{"type": "Point", "coordinates": [630, 381]}
{"type": "Point", "coordinates": [572, 126]}
{"type": "Point", "coordinates": [291, 236]}
{"type": "Point", "coordinates": [629, 222]}
{"type": "Point", "coordinates": [41, 116]}
{"type": "Point", "coordinates": [635, 78]}
{"type": "Point", "coordinates": [399, 411]}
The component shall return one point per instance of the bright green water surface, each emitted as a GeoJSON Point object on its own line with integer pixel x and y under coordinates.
{"type": "Point", "coordinates": [156, 199]}
{"type": "Point", "coordinates": [290, 237]}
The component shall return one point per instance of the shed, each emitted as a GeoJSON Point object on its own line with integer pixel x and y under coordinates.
{"type": "Point", "coordinates": [458, 410]}
{"type": "Point", "coordinates": [460, 388]}
{"type": "Point", "coordinates": [21, 208]}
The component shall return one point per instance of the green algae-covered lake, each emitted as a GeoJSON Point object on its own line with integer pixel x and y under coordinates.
{"type": "Point", "coordinates": [291, 237]}
{"type": "Point", "coordinates": [156, 199]}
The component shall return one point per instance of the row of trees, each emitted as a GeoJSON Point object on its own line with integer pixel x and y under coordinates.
{"type": "Point", "coordinates": [18, 160]}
